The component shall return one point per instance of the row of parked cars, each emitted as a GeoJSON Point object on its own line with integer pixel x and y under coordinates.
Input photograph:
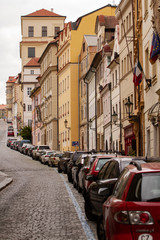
{"type": "Point", "coordinates": [43, 153]}
{"type": "Point", "coordinates": [121, 193]}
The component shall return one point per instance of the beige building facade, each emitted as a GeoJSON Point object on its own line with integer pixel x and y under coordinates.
{"type": "Point", "coordinates": [49, 96]}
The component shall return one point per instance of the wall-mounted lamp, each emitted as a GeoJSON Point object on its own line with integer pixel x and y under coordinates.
{"type": "Point", "coordinates": [90, 124]}
{"type": "Point", "coordinates": [115, 118]}
{"type": "Point", "coordinates": [129, 107]}
{"type": "Point", "coordinates": [149, 82]}
{"type": "Point", "coordinates": [66, 123]}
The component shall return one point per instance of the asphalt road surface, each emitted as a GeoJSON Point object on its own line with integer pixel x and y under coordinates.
{"type": "Point", "coordinates": [40, 203]}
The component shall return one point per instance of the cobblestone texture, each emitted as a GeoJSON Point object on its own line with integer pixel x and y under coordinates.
{"type": "Point", "coordinates": [37, 205]}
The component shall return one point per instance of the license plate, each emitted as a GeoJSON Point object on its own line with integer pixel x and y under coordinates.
{"type": "Point", "coordinates": [145, 237]}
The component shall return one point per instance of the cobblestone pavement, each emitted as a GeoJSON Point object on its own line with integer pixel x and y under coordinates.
{"type": "Point", "coordinates": [40, 203]}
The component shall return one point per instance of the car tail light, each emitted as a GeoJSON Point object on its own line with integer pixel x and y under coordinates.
{"type": "Point", "coordinates": [134, 217]}
{"type": "Point", "coordinates": [140, 218]}
{"type": "Point", "coordinates": [122, 217]}
{"type": "Point", "coordinates": [46, 155]}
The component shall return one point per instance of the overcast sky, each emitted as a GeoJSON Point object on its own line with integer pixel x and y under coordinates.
{"type": "Point", "coordinates": [10, 28]}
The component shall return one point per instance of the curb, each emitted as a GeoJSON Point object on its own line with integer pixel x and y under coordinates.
{"type": "Point", "coordinates": [7, 180]}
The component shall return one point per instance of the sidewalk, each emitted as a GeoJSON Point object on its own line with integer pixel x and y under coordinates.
{"type": "Point", "coordinates": [5, 180]}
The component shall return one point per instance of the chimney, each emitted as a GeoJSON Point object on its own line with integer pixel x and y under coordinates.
{"type": "Point", "coordinates": [51, 9]}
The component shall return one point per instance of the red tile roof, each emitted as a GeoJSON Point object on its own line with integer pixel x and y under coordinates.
{"type": "Point", "coordinates": [2, 106]}
{"type": "Point", "coordinates": [43, 13]}
{"type": "Point", "coordinates": [33, 63]}
{"type": "Point", "coordinates": [11, 79]}
{"type": "Point", "coordinates": [107, 21]}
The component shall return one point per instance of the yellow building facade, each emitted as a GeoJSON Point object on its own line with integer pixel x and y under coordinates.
{"type": "Point", "coordinates": [70, 43]}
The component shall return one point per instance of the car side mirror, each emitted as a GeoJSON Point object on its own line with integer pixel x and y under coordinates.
{"type": "Point", "coordinates": [104, 191]}
{"type": "Point", "coordinates": [90, 177]}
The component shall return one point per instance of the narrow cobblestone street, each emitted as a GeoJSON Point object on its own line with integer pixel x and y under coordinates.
{"type": "Point", "coordinates": [40, 203]}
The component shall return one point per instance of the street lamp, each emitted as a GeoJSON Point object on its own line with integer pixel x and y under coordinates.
{"type": "Point", "coordinates": [66, 123]}
{"type": "Point", "coordinates": [129, 107]}
{"type": "Point", "coordinates": [115, 117]}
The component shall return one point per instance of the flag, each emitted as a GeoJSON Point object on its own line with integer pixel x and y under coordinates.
{"type": "Point", "coordinates": [137, 73]}
{"type": "Point", "coordinates": [155, 48]}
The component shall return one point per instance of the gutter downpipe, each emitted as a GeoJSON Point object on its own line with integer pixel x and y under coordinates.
{"type": "Point", "coordinates": [78, 104]}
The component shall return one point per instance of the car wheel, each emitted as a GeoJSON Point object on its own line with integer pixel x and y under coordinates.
{"type": "Point", "coordinates": [74, 184]}
{"type": "Point", "coordinates": [88, 212]}
{"type": "Point", "coordinates": [100, 229]}
{"type": "Point", "coordinates": [59, 169]}
{"type": "Point", "coordinates": [79, 188]}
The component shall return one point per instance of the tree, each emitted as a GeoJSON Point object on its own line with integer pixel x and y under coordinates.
{"type": "Point", "coordinates": [26, 133]}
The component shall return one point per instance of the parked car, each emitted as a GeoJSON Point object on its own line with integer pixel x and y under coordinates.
{"type": "Point", "coordinates": [98, 192]}
{"type": "Point", "coordinates": [75, 169]}
{"type": "Point", "coordinates": [36, 152]}
{"type": "Point", "coordinates": [71, 163]}
{"type": "Point", "coordinates": [16, 145]}
{"type": "Point", "coordinates": [94, 169]}
{"type": "Point", "coordinates": [62, 164]}
{"type": "Point", "coordinates": [54, 159]}
{"type": "Point", "coordinates": [30, 150]}
{"type": "Point", "coordinates": [9, 141]}
{"type": "Point", "coordinates": [44, 157]}
{"type": "Point", "coordinates": [12, 143]}
{"type": "Point", "coordinates": [132, 212]}
{"type": "Point", "coordinates": [85, 169]}
{"type": "Point", "coordinates": [10, 127]}
{"type": "Point", "coordinates": [20, 144]}
{"type": "Point", "coordinates": [10, 132]}
{"type": "Point", "coordinates": [26, 148]}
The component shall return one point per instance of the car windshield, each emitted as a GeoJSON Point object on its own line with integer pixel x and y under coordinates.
{"type": "Point", "coordinates": [100, 163]}
{"type": "Point", "coordinates": [145, 187]}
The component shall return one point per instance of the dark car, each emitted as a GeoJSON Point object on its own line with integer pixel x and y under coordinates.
{"type": "Point", "coordinates": [16, 145]}
{"type": "Point", "coordinates": [84, 170]}
{"type": "Point", "coordinates": [132, 212]}
{"type": "Point", "coordinates": [95, 168]}
{"type": "Point", "coordinates": [102, 186]}
{"type": "Point", "coordinates": [62, 164]}
{"type": "Point", "coordinates": [75, 169]}
{"type": "Point", "coordinates": [71, 163]}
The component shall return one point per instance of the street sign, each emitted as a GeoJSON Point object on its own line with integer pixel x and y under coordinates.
{"type": "Point", "coordinates": [75, 143]}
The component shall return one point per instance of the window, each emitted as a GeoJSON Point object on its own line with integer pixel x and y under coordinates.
{"type": "Point", "coordinates": [116, 77]}
{"type": "Point", "coordinates": [57, 29]}
{"type": "Point", "coordinates": [83, 47]}
{"type": "Point", "coordinates": [29, 108]}
{"type": "Point", "coordinates": [32, 72]}
{"type": "Point", "coordinates": [29, 91]}
{"type": "Point", "coordinates": [30, 31]}
{"type": "Point", "coordinates": [31, 52]}
{"type": "Point", "coordinates": [29, 123]}
{"type": "Point", "coordinates": [44, 31]}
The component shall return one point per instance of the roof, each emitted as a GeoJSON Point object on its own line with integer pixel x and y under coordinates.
{"type": "Point", "coordinates": [2, 106]}
{"type": "Point", "coordinates": [145, 167]}
{"type": "Point", "coordinates": [107, 21]}
{"type": "Point", "coordinates": [43, 13]}
{"type": "Point", "coordinates": [91, 40]}
{"type": "Point", "coordinates": [11, 79]}
{"type": "Point", "coordinates": [79, 19]}
{"type": "Point", "coordinates": [33, 63]}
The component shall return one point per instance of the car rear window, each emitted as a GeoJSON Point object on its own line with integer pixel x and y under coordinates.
{"type": "Point", "coordinates": [145, 187]}
{"type": "Point", "coordinates": [100, 163]}
{"type": "Point", "coordinates": [43, 147]}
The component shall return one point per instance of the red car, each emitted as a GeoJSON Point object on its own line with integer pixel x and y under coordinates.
{"type": "Point", "coordinates": [95, 168]}
{"type": "Point", "coordinates": [11, 133]}
{"type": "Point", "coordinates": [133, 211]}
